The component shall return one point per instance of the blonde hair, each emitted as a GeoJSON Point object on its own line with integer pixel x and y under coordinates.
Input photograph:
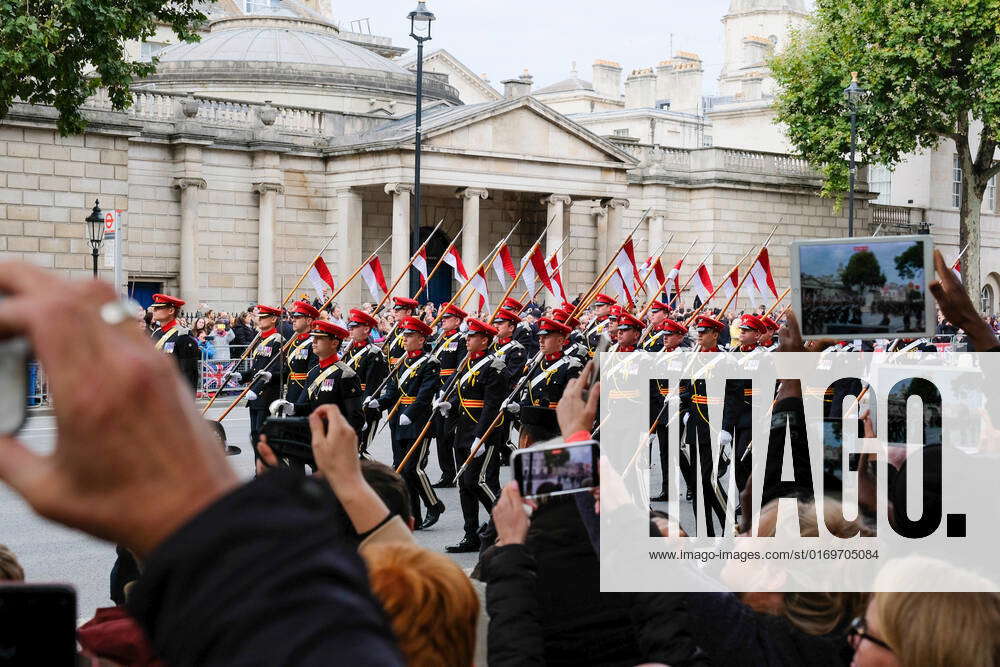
{"type": "Point", "coordinates": [10, 569]}
{"type": "Point", "coordinates": [818, 613]}
{"type": "Point", "coordinates": [430, 601]}
{"type": "Point", "coordinates": [939, 628]}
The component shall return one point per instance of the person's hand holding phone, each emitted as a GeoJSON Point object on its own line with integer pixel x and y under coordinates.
{"type": "Point", "coordinates": [576, 413]}
{"type": "Point", "coordinates": [509, 517]}
{"type": "Point", "coordinates": [957, 308]}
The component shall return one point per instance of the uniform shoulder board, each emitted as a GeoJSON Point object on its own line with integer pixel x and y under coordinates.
{"type": "Point", "coordinates": [573, 362]}
{"type": "Point", "coordinates": [182, 331]}
{"type": "Point", "coordinates": [516, 344]}
{"type": "Point", "coordinates": [346, 370]}
{"type": "Point", "coordinates": [498, 363]}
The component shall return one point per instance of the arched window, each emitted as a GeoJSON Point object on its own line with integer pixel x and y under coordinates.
{"type": "Point", "coordinates": [986, 300]}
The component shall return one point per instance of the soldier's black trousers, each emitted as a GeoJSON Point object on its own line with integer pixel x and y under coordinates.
{"type": "Point", "coordinates": [741, 440]}
{"type": "Point", "coordinates": [444, 437]}
{"type": "Point", "coordinates": [700, 440]}
{"type": "Point", "coordinates": [686, 465]}
{"type": "Point", "coordinates": [413, 474]}
{"type": "Point", "coordinates": [478, 485]}
{"type": "Point", "coordinates": [257, 418]}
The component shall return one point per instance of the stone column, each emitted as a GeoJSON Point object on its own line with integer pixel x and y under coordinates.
{"type": "Point", "coordinates": [188, 278]}
{"type": "Point", "coordinates": [655, 231]}
{"type": "Point", "coordinates": [555, 218]}
{"type": "Point", "coordinates": [400, 233]}
{"type": "Point", "coordinates": [601, 225]}
{"type": "Point", "coordinates": [267, 209]}
{"type": "Point", "coordinates": [349, 231]}
{"type": "Point", "coordinates": [616, 220]}
{"type": "Point", "coordinates": [470, 225]}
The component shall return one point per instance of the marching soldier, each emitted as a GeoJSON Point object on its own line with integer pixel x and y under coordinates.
{"type": "Point", "coordinates": [450, 346]}
{"type": "Point", "coordinates": [771, 328]}
{"type": "Point", "coordinates": [629, 329]}
{"type": "Point", "coordinates": [369, 363]}
{"type": "Point", "coordinates": [573, 345]}
{"type": "Point", "coordinates": [300, 356]}
{"type": "Point", "coordinates": [670, 336]}
{"type": "Point", "coordinates": [411, 392]}
{"type": "Point", "coordinates": [174, 339]}
{"type": "Point", "coordinates": [524, 332]}
{"type": "Point", "coordinates": [480, 389]}
{"type": "Point", "coordinates": [600, 324]}
{"type": "Point", "coordinates": [515, 356]}
{"type": "Point", "coordinates": [737, 412]}
{"type": "Point", "coordinates": [548, 378]}
{"type": "Point", "coordinates": [331, 380]}
{"type": "Point", "coordinates": [403, 307]}
{"type": "Point", "coordinates": [265, 371]}
{"type": "Point", "coordinates": [697, 434]}
{"type": "Point", "coordinates": [657, 316]}
{"type": "Point", "coordinates": [576, 335]}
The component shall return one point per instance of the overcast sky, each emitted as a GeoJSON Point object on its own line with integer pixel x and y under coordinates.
{"type": "Point", "coordinates": [501, 39]}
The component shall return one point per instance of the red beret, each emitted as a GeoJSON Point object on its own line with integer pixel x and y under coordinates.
{"type": "Point", "coordinates": [672, 327]}
{"type": "Point", "coordinates": [547, 325]}
{"type": "Point", "coordinates": [480, 327]}
{"type": "Point", "coordinates": [304, 308]}
{"type": "Point", "coordinates": [166, 300]}
{"type": "Point", "coordinates": [604, 299]}
{"type": "Point", "coordinates": [659, 305]}
{"type": "Point", "coordinates": [405, 302]}
{"type": "Point", "coordinates": [706, 322]}
{"type": "Point", "coordinates": [454, 311]}
{"type": "Point", "coordinates": [616, 311]}
{"type": "Point", "coordinates": [413, 325]}
{"type": "Point", "coordinates": [562, 315]}
{"type": "Point", "coordinates": [506, 315]}
{"type": "Point", "coordinates": [356, 317]}
{"type": "Point", "coordinates": [626, 321]}
{"type": "Point", "coordinates": [769, 323]}
{"type": "Point", "coordinates": [268, 310]}
{"type": "Point", "coordinates": [329, 329]}
{"type": "Point", "coordinates": [567, 306]}
{"type": "Point", "coordinates": [752, 322]}
{"type": "Point", "coordinates": [510, 303]}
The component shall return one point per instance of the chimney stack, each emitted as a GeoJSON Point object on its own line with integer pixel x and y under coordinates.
{"type": "Point", "coordinates": [640, 89]}
{"type": "Point", "coordinates": [608, 79]}
{"type": "Point", "coordinates": [665, 81]}
{"type": "Point", "coordinates": [519, 87]}
{"type": "Point", "coordinates": [688, 80]}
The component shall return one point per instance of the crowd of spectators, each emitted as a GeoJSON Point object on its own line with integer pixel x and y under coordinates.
{"type": "Point", "coordinates": [321, 570]}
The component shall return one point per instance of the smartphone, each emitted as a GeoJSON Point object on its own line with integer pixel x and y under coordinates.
{"type": "Point", "coordinates": [37, 624]}
{"type": "Point", "coordinates": [863, 287]}
{"type": "Point", "coordinates": [13, 384]}
{"type": "Point", "coordinates": [556, 469]}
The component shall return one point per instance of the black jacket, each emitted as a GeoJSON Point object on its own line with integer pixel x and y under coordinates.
{"type": "Point", "coordinates": [479, 390]}
{"type": "Point", "coordinates": [370, 365]}
{"type": "Point", "coordinates": [300, 359]}
{"type": "Point", "coordinates": [416, 388]}
{"type": "Point", "coordinates": [182, 346]}
{"type": "Point", "coordinates": [266, 357]}
{"type": "Point", "coordinates": [263, 576]}
{"type": "Point", "coordinates": [336, 383]}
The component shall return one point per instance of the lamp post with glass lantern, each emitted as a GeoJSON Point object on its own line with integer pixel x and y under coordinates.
{"type": "Point", "coordinates": [95, 232]}
{"type": "Point", "coordinates": [854, 93]}
{"type": "Point", "coordinates": [420, 30]}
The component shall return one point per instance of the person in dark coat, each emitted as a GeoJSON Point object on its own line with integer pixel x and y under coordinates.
{"type": "Point", "coordinates": [173, 339]}
{"type": "Point", "coordinates": [368, 361]}
{"type": "Point", "coordinates": [265, 374]}
{"type": "Point", "coordinates": [300, 356]}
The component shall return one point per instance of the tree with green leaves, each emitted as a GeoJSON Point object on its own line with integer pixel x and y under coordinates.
{"type": "Point", "coordinates": [932, 69]}
{"type": "Point", "coordinates": [862, 270]}
{"type": "Point", "coordinates": [910, 261]}
{"type": "Point", "coordinates": [60, 52]}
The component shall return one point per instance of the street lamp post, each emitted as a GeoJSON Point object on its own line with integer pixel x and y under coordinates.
{"type": "Point", "coordinates": [853, 93]}
{"type": "Point", "coordinates": [95, 232]}
{"type": "Point", "coordinates": [420, 30]}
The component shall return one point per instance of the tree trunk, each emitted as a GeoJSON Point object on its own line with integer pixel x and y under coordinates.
{"type": "Point", "coordinates": [968, 226]}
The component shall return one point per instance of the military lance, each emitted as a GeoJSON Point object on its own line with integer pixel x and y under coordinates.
{"type": "Point", "coordinates": [746, 274]}
{"type": "Point", "coordinates": [607, 266]}
{"type": "Point", "coordinates": [687, 282]}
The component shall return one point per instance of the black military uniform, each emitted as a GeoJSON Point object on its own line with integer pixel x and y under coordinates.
{"type": "Point", "coordinates": [264, 376]}
{"type": "Point", "coordinates": [658, 393]}
{"type": "Point", "coordinates": [369, 363]}
{"type": "Point", "coordinates": [479, 391]}
{"type": "Point", "coordinates": [332, 382]}
{"type": "Point", "coordinates": [177, 341]}
{"type": "Point", "coordinates": [548, 378]}
{"type": "Point", "coordinates": [450, 352]}
{"type": "Point", "coordinates": [515, 357]}
{"type": "Point", "coordinates": [598, 327]}
{"type": "Point", "coordinates": [393, 346]}
{"type": "Point", "coordinates": [737, 412]}
{"type": "Point", "coordinates": [413, 385]}
{"type": "Point", "coordinates": [300, 358]}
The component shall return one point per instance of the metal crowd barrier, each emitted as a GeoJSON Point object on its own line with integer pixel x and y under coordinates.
{"type": "Point", "coordinates": [212, 371]}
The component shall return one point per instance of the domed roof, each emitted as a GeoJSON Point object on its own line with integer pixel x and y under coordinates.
{"type": "Point", "coordinates": [278, 40]}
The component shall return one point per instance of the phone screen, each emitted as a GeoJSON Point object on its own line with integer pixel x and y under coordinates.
{"type": "Point", "coordinates": [13, 384]}
{"type": "Point", "coordinates": [556, 470]}
{"type": "Point", "coordinates": [37, 625]}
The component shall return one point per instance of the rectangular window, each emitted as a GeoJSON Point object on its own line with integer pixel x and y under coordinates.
{"type": "Point", "coordinates": [149, 49]}
{"type": "Point", "coordinates": [881, 182]}
{"type": "Point", "coordinates": [260, 6]}
{"type": "Point", "coordinates": [991, 194]}
{"type": "Point", "coordinates": [956, 182]}
{"type": "Point", "coordinates": [706, 141]}
{"type": "Point", "coordinates": [621, 132]}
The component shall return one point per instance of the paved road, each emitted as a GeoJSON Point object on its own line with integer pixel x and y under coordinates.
{"type": "Point", "coordinates": [51, 553]}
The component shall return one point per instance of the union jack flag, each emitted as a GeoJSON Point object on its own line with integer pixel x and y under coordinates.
{"type": "Point", "coordinates": [215, 372]}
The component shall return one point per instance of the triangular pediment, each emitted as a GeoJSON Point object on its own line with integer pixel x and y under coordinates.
{"type": "Point", "coordinates": [529, 129]}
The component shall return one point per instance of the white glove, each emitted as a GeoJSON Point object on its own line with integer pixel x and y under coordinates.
{"type": "Point", "coordinates": [264, 376]}
{"type": "Point", "coordinates": [404, 420]}
{"type": "Point", "coordinates": [372, 403]}
{"type": "Point", "coordinates": [444, 407]}
{"type": "Point", "coordinates": [251, 396]}
{"type": "Point", "coordinates": [513, 408]}
{"type": "Point", "coordinates": [685, 418]}
{"type": "Point", "coordinates": [236, 375]}
{"type": "Point", "coordinates": [482, 450]}
{"type": "Point", "coordinates": [281, 408]}
{"type": "Point", "coordinates": [725, 440]}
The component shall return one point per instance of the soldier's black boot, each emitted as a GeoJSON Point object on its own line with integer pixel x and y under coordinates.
{"type": "Point", "coordinates": [433, 514]}
{"type": "Point", "coordinates": [468, 545]}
